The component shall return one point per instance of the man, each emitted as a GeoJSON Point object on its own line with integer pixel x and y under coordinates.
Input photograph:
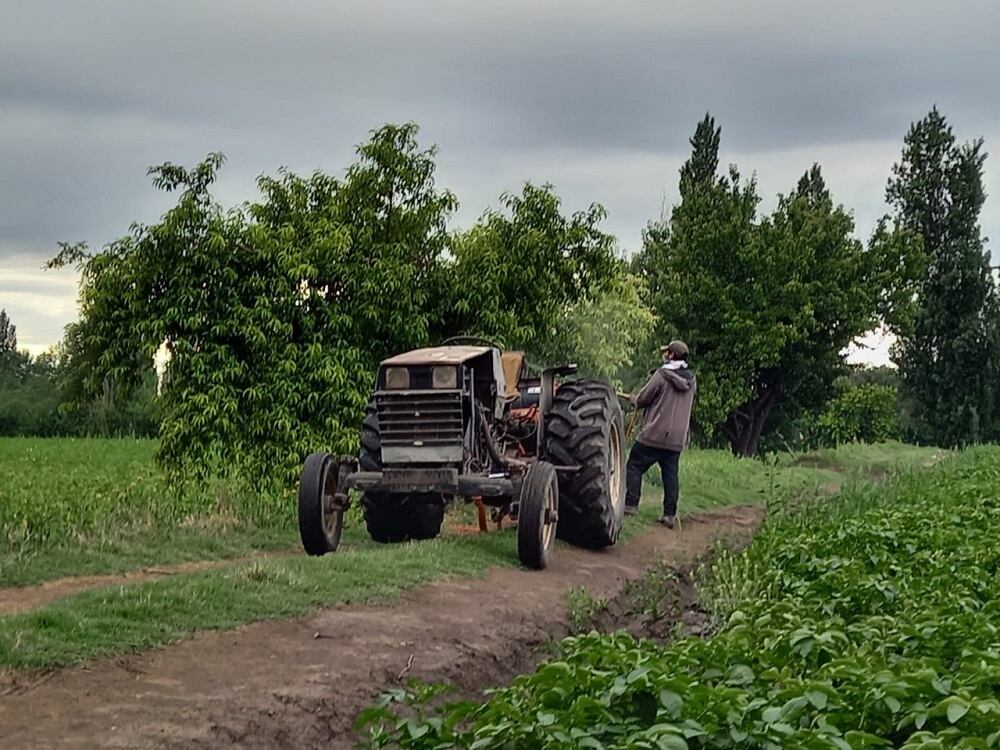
{"type": "Point", "coordinates": [667, 399]}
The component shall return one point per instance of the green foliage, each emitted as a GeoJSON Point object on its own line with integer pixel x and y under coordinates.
{"type": "Point", "coordinates": [949, 349]}
{"type": "Point", "coordinates": [582, 607]}
{"type": "Point", "coordinates": [845, 625]}
{"type": "Point", "coordinates": [8, 334]}
{"type": "Point", "coordinates": [862, 414]}
{"type": "Point", "coordinates": [274, 315]}
{"type": "Point", "coordinates": [882, 375]}
{"type": "Point", "coordinates": [516, 275]}
{"type": "Point", "coordinates": [766, 306]}
{"type": "Point", "coordinates": [68, 491]}
{"type": "Point", "coordinates": [32, 394]}
{"type": "Point", "coordinates": [601, 334]}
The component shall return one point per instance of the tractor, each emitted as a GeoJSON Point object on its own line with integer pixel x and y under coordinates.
{"type": "Point", "coordinates": [466, 420]}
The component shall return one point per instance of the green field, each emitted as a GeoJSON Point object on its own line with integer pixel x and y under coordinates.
{"type": "Point", "coordinates": [866, 621]}
{"type": "Point", "coordinates": [73, 507]}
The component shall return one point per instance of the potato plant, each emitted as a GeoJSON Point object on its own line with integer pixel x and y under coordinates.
{"type": "Point", "coordinates": [867, 622]}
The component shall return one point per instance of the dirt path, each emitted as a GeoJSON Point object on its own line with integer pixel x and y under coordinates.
{"type": "Point", "coordinates": [299, 683]}
{"type": "Point", "coordinates": [16, 599]}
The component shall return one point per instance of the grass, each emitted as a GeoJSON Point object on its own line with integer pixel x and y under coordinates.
{"type": "Point", "coordinates": [129, 618]}
{"type": "Point", "coordinates": [861, 457]}
{"type": "Point", "coordinates": [97, 506]}
{"type": "Point", "coordinates": [713, 479]}
{"type": "Point", "coordinates": [126, 618]}
{"type": "Point", "coordinates": [110, 555]}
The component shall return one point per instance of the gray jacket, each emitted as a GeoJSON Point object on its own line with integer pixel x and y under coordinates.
{"type": "Point", "coordinates": [667, 399]}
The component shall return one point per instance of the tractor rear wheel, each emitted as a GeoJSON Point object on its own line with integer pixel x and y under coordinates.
{"type": "Point", "coordinates": [394, 518]}
{"type": "Point", "coordinates": [537, 515]}
{"type": "Point", "coordinates": [584, 430]}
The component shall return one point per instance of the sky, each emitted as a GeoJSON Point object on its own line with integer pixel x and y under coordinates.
{"type": "Point", "coordinates": [597, 98]}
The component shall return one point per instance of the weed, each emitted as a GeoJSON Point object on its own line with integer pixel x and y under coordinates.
{"type": "Point", "coordinates": [582, 607]}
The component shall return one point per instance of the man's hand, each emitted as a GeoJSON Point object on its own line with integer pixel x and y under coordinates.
{"type": "Point", "coordinates": [628, 398]}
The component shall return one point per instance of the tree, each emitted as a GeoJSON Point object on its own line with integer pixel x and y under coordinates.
{"type": "Point", "coordinates": [947, 352]}
{"type": "Point", "coordinates": [274, 314]}
{"type": "Point", "coordinates": [515, 273]}
{"type": "Point", "coordinates": [697, 263]}
{"type": "Point", "coordinates": [601, 334]}
{"type": "Point", "coordinates": [766, 307]}
{"type": "Point", "coordinates": [8, 334]}
{"type": "Point", "coordinates": [858, 414]}
{"type": "Point", "coordinates": [13, 363]}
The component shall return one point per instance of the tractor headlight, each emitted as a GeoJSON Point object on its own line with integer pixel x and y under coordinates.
{"type": "Point", "coordinates": [444, 377]}
{"type": "Point", "coordinates": [397, 378]}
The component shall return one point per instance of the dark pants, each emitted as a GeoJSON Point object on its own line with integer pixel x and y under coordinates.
{"type": "Point", "coordinates": [640, 460]}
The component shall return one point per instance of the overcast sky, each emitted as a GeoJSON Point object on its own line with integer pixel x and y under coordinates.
{"type": "Point", "coordinates": [598, 98]}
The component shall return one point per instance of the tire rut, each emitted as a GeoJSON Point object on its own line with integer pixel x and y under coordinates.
{"type": "Point", "coordinates": [17, 599]}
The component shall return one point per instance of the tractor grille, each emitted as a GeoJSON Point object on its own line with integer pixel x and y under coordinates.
{"type": "Point", "coordinates": [420, 418]}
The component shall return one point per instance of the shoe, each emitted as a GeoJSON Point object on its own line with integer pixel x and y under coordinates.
{"type": "Point", "coordinates": [631, 510]}
{"type": "Point", "coordinates": [668, 521]}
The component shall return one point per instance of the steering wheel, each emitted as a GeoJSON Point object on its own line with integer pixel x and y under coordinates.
{"type": "Point", "coordinates": [480, 340]}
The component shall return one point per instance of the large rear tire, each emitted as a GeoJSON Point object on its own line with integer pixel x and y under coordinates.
{"type": "Point", "coordinates": [584, 430]}
{"type": "Point", "coordinates": [320, 523]}
{"type": "Point", "coordinates": [394, 518]}
{"type": "Point", "coordinates": [537, 515]}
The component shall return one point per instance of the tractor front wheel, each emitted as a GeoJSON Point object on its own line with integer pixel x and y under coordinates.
{"type": "Point", "coordinates": [398, 518]}
{"type": "Point", "coordinates": [321, 521]}
{"type": "Point", "coordinates": [537, 514]}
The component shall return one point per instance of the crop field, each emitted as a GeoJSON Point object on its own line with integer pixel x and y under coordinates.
{"type": "Point", "coordinates": [869, 621]}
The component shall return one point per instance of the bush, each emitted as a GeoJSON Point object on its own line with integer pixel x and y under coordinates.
{"type": "Point", "coordinates": [861, 414]}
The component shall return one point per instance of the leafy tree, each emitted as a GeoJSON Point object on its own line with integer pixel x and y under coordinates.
{"type": "Point", "coordinates": [274, 314]}
{"type": "Point", "coordinates": [881, 375]}
{"type": "Point", "coordinates": [515, 273]}
{"type": "Point", "coordinates": [947, 352]}
{"type": "Point", "coordinates": [12, 361]}
{"type": "Point", "coordinates": [31, 396]}
{"type": "Point", "coordinates": [859, 414]}
{"type": "Point", "coordinates": [8, 334]}
{"type": "Point", "coordinates": [697, 262]}
{"type": "Point", "coordinates": [601, 334]}
{"type": "Point", "coordinates": [767, 307]}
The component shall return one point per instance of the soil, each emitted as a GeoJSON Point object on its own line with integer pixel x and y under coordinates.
{"type": "Point", "coordinates": [300, 683]}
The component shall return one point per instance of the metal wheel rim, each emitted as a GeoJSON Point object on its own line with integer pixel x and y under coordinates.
{"type": "Point", "coordinates": [615, 470]}
{"type": "Point", "coordinates": [331, 517]}
{"type": "Point", "coordinates": [549, 511]}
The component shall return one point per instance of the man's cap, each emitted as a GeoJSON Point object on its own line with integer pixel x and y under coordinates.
{"type": "Point", "coordinates": [677, 347]}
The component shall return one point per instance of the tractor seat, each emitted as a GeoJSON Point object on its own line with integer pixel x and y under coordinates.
{"type": "Point", "coordinates": [512, 364]}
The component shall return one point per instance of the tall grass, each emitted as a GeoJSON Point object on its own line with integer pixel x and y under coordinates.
{"type": "Point", "coordinates": [55, 492]}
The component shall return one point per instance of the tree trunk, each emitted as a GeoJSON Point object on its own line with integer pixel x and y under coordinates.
{"type": "Point", "coordinates": [745, 426]}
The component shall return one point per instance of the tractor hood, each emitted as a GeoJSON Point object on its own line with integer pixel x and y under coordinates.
{"type": "Point", "coordinates": [437, 355]}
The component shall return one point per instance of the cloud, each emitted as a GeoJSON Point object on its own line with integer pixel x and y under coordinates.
{"type": "Point", "coordinates": [598, 98]}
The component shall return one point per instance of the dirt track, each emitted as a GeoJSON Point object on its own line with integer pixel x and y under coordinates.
{"type": "Point", "coordinates": [26, 598]}
{"type": "Point", "coordinates": [299, 683]}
